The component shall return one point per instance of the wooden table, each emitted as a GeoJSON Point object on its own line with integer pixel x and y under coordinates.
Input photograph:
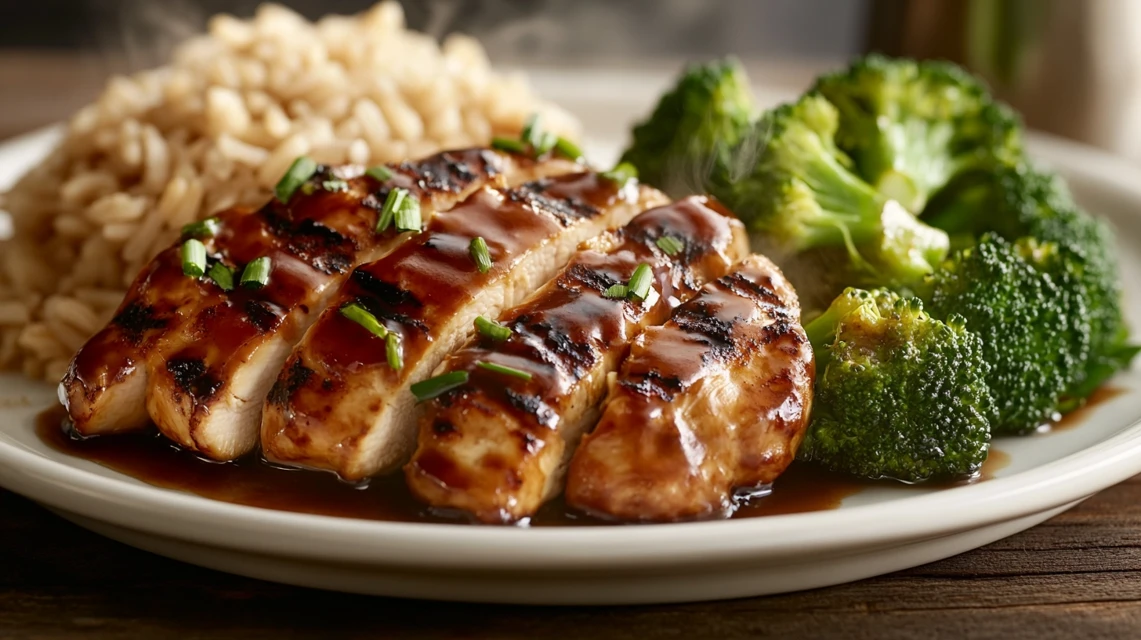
{"type": "Point", "coordinates": [1076, 576]}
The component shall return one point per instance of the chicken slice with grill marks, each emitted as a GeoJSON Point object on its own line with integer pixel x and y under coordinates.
{"type": "Point", "coordinates": [319, 235]}
{"type": "Point", "coordinates": [714, 401]}
{"type": "Point", "coordinates": [209, 379]}
{"type": "Point", "coordinates": [497, 447]}
{"type": "Point", "coordinates": [340, 404]}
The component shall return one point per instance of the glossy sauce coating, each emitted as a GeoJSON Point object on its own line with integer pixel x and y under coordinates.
{"type": "Point", "coordinates": [312, 240]}
{"type": "Point", "coordinates": [338, 382]}
{"type": "Point", "coordinates": [495, 446]}
{"type": "Point", "coordinates": [714, 401]}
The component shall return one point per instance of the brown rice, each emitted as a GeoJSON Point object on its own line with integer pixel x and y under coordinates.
{"type": "Point", "coordinates": [218, 127]}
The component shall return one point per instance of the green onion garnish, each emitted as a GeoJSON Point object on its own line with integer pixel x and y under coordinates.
{"type": "Point", "coordinates": [480, 254]}
{"type": "Point", "coordinates": [256, 273]}
{"type": "Point", "coordinates": [616, 291]}
{"type": "Point", "coordinates": [335, 185]}
{"type": "Point", "coordinates": [532, 132]}
{"type": "Point", "coordinates": [308, 189]}
{"type": "Point", "coordinates": [193, 258]}
{"type": "Point", "coordinates": [670, 245]}
{"type": "Point", "coordinates": [222, 276]}
{"type": "Point", "coordinates": [392, 204]}
{"type": "Point", "coordinates": [361, 316]}
{"type": "Point", "coordinates": [408, 215]}
{"type": "Point", "coordinates": [202, 229]}
{"type": "Point", "coordinates": [491, 328]}
{"type": "Point", "coordinates": [568, 149]}
{"type": "Point", "coordinates": [547, 141]}
{"type": "Point", "coordinates": [438, 386]}
{"type": "Point", "coordinates": [380, 173]}
{"type": "Point", "coordinates": [623, 173]}
{"type": "Point", "coordinates": [298, 173]}
{"type": "Point", "coordinates": [640, 281]}
{"type": "Point", "coordinates": [510, 145]}
{"type": "Point", "coordinates": [393, 352]}
{"type": "Point", "coordinates": [507, 371]}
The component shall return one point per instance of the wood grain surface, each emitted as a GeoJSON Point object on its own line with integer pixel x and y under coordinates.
{"type": "Point", "coordinates": [1076, 576]}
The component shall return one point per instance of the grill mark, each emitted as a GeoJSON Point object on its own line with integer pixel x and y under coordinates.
{"type": "Point", "coordinates": [653, 383]}
{"type": "Point", "coordinates": [533, 406]}
{"type": "Point", "coordinates": [386, 292]}
{"type": "Point", "coordinates": [448, 172]}
{"type": "Point", "coordinates": [296, 376]}
{"type": "Point", "coordinates": [263, 315]}
{"type": "Point", "coordinates": [565, 210]}
{"type": "Point", "coordinates": [136, 319]}
{"type": "Point", "coordinates": [192, 378]}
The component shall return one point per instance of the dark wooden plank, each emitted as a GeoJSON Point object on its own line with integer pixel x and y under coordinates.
{"type": "Point", "coordinates": [1077, 576]}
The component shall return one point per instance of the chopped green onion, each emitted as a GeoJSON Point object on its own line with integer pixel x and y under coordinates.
{"type": "Point", "coordinates": [480, 254]}
{"type": "Point", "coordinates": [335, 185]}
{"type": "Point", "coordinates": [617, 291]}
{"type": "Point", "coordinates": [222, 276]}
{"type": "Point", "coordinates": [256, 273]}
{"type": "Point", "coordinates": [621, 174]}
{"type": "Point", "coordinates": [640, 281]}
{"type": "Point", "coordinates": [361, 316]}
{"type": "Point", "coordinates": [568, 149]}
{"type": "Point", "coordinates": [438, 386]}
{"type": "Point", "coordinates": [207, 228]}
{"type": "Point", "coordinates": [380, 173]}
{"type": "Point", "coordinates": [507, 371]}
{"type": "Point", "coordinates": [393, 352]}
{"type": "Point", "coordinates": [193, 258]}
{"type": "Point", "coordinates": [392, 204]}
{"type": "Point", "coordinates": [408, 215]}
{"type": "Point", "coordinates": [510, 145]}
{"type": "Point", "coordinates": [492, 329]}
{"type": "Point", "coordinates": [547, 141]}
{"type": "Point", "coordinates": [670, 245]}
{"type": "Point", "coordinates": [308, 189]}
{"type": "Point", "coordinates": [298, 173]}
{"type": "Point", "coordinates": [532, 132]}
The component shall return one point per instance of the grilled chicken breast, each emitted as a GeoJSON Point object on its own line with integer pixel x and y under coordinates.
{"type": "Point", "coordinates": [715, 400]}
{"type": "Point", "coordinates": [497, 446]}
{"type": "Point", "coordinates": [340, 404]}
{"type": "Point", "coordinates": [198, 360]}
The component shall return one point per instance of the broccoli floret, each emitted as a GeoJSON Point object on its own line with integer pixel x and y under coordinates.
{"type": "Point", "coordinates": [1022, 301]}
{"type": "Point", "coordinates": [688, 139]}
{"type": "Point", "coordinates": [803, 194]}
{"type": "Point", "coordinates": [911, 127]}
{"type": "Point", "coordinates": [1020, 201]}
{"type": "Point", "coordinates": [899, 394]}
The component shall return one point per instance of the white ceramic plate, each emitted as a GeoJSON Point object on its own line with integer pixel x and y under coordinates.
{"type": "Point", "coordinates": [874, 532]}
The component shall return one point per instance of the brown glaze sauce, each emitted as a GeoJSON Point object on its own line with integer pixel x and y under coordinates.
{"type": "Point", "coordinates": [250, 481]}
{"type": "Point", "coordinates": [1072, 419]}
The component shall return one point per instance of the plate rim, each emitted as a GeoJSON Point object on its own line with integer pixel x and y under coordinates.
{"type": "Point", "coordinates": [454, 546]}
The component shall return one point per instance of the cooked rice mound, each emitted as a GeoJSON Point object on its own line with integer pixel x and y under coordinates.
{"type": "Point", "coordinates": [218, 127]}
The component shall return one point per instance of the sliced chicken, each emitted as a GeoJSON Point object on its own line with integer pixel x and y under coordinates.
{"type": "Point", "coordinates": [713, 402]}
{"type": "Point", "coordinates": [340, 404]}
{"type": "Point", "coordinates": [172, 331]}
{"type": "Point", "coordinates": [497, 446]}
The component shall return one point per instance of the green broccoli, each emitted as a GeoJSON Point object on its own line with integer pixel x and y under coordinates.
{"type": "Point", "coordinates": [899, 394]}
{"type": "Point", "coordinates": [1018, 201]}
{"type": "Point", "coordinates": [911, 127]}
{"type": "Point", "coordinates": [1023, 301]}
{"type": "Point", "coordinates": [689, 138]}
{"type": "Point", "coordinates": [803, 195]}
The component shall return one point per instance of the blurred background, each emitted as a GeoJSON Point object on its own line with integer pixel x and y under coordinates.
{"type": "Point", "coordinates": [1071, 66]}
